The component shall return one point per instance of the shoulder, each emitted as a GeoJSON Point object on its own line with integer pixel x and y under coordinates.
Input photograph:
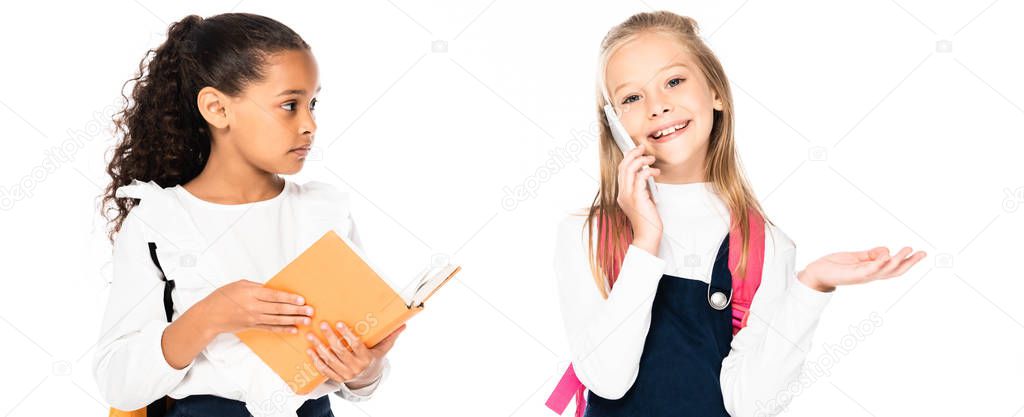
{"type": "Point", "coordinates": [777, 243]}
{"type": "Point", "coordinates": [153, 207]}
{"type": "Point", "coordinates": [318, 191]}
{"type": "Point", "coordinates": [150, 194]}
{"type": "Point", "coordinates": [572, 226]}
{"type": "Point", "coordinates": [322, 199]}
{"type": "Point", "coordinates": [574, 220]}
{"type": "Point", "coordinates": [131, 232]}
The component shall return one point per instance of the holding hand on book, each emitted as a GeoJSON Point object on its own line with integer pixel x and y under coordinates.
{"type": "Point", "coordinates": [345, 358]}
{"type": "Point", "coordinates": [245, 304]}
{"type": "Point", "coordinates": [236, 306]}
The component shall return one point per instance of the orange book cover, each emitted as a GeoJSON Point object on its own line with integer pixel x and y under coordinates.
{"type": "Point", "coordinates": [340, 286]}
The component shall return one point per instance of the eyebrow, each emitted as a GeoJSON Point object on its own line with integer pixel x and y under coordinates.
{"type": "Point", "coordinates": [296, 92]}
{"type": "Point", "coordinates": [672, 65]}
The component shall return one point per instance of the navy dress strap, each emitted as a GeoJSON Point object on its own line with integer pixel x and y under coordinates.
{"type": "Point", "coordinates": [681, 365]}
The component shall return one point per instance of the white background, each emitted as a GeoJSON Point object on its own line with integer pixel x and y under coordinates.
{"type": "Point", "coordinates": [857, 128]}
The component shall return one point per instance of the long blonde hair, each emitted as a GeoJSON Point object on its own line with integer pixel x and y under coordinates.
{"type": "Point", "coordinates": [605, 219]}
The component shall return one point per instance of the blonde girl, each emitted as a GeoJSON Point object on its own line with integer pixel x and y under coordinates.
{"type": "Point", "coordinates": [634, 275]}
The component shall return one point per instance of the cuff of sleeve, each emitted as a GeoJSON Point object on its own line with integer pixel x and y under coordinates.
{"type": "Point", "coordinates": [364, 393]}
{"type": "Point", "coordinates": [642, 263]}
{"type": "Point", "coordinates": [153, 334]}
{"type": "Point", "coordinates": [640, 273]}
{"type": "Point", "coordinates": [810, 297]}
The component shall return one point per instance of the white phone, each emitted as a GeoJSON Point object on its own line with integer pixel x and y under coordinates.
{"type": "Point", "coordinates": [626, 143]}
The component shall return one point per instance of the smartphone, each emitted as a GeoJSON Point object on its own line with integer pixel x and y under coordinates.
{"type": "Point", "coordinates": [625, 143]}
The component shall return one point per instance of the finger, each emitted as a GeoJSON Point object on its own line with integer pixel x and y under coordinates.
{"type": "Point", "coordinates": [275, 296]}
{"type": "Point", "coordinates": [337, 345]}
{"type": "Point", "coordinates": [640, 184]}
{"type": "Point", "coordinates": [625, 186]}
{"type": "Point", "coordinates": [322, 366]}
{"type": "Point", "coordinates": [278, 320]}
{"type": "Point", "coordinates": [355, 355]}
{"type": "Point", "coordinates": [284, 309]}
{"type": "Point", "coordinates": [895, 261]}
{"type": "Point", "coordinates": [277, 329]}
{"type": "Point", "coordinates": [634, 153]}
{"type": "Point", "coordinates": [385, 345]}
{"type": "Point", "coordinates": [627, 171]}
{"type": "Point", "coordinates": [628, 157]}
{"type": "Point", "coordinates": [329, 358]}
{"type": "Point", "coordinates": [637, 150]}
{"type": "Point", "coordinates": [633, 172]}
{"type": "Point", "coordinates": [353, 341]}
{"type": "Point", "coordinates": [905, 265]}
{"type": "Point", "coordinates": [637, 164]}
{"type": "Point", "coordinates": [872, 254]}
{"type": "Point", "coordinates": [866, 270]}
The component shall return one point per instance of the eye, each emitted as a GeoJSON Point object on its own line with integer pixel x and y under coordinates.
{"type": "Point", "coordinates": [675, 81]}
{"type": "Point", "coordinates": [630, 99]}
{"type": "Point", "coordinates": [312, 104]}
{"type": "Point", "coordinates": [289, 106]}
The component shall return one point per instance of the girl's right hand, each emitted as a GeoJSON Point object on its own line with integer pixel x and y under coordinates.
{"type": "Point", "coordinates": [244, 304]}
{"type": "Point", "coordinates": [635, 199]}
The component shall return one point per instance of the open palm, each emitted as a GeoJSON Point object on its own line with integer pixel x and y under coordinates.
{"type": "Point", "coordinates": [851, 268]}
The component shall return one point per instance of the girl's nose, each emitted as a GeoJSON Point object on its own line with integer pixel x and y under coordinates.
{"type": "Point", "coordinates": [664, 109]}
{"type": "Point", "coordinates": [308, 126]}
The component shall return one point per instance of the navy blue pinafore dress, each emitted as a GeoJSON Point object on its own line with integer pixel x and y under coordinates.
{"type": "Point", "coordinates": [682, 358]}
{"type": "Point", "coordinates": [213, 406]}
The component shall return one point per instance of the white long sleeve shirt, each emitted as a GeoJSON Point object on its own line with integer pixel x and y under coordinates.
{"type": "Point", "coordinates": [203, 246]}
{"type": "Point", "coordinates": [606, 336]}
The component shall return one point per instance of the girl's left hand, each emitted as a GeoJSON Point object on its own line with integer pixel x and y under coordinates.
{"type": "Point", "coordinates": [850, 268]}
{"type": "Point", "coordinates": [353, 364]}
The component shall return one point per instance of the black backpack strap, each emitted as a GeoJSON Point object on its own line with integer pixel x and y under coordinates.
{"type": "Point", "coordinates": [168, 283]}
{"type": "Point", "coordinates": [159, 408]}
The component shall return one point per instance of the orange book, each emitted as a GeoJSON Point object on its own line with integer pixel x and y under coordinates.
{"type": "Point", "coordinates": [340, 285]}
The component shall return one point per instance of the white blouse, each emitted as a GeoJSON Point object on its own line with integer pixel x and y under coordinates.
{"type": "Point", "coordinates": [606, 336]}
{"type": "Point", "coordinates": [203, 246]}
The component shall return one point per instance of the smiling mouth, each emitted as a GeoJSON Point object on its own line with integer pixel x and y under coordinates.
{"type": "Point", "coordinates": [669, 131]}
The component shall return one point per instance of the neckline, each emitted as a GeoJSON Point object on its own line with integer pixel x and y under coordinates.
{"type": "Point", "coordinates": [209, 204]}
{"type": "Point", "coordinates": [691, 199]}
{"type": "Point", "coordinates": [688, 189]}
{"type": "Point", "coordinates": [684, 185]}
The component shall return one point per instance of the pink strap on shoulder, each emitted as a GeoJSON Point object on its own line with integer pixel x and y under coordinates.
{"type": "Point", "coordinates": [742, 294]}
{"type": "Point", "coordinates": [743, 289]}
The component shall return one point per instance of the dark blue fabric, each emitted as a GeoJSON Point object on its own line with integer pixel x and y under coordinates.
{"type": "Point", "coordinates": [682, 358]}
{"type": "Point", "coordinates": [213, 406]}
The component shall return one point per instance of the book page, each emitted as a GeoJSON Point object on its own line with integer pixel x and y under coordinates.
{"type": "Point", "coordinates": [426, 282]}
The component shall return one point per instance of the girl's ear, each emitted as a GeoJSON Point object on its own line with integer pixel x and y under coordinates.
{"type": "Point", "coordinates": [212, 105]}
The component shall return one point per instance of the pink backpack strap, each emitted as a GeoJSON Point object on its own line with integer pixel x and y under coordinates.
{"type": "Point", "coordinates": [743, 290]}
{"type": "Point", "coordinates": [568, 387]}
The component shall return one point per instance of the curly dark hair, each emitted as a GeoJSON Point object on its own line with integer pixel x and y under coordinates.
{"type": "Point", "coordinates": [163, 137]}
